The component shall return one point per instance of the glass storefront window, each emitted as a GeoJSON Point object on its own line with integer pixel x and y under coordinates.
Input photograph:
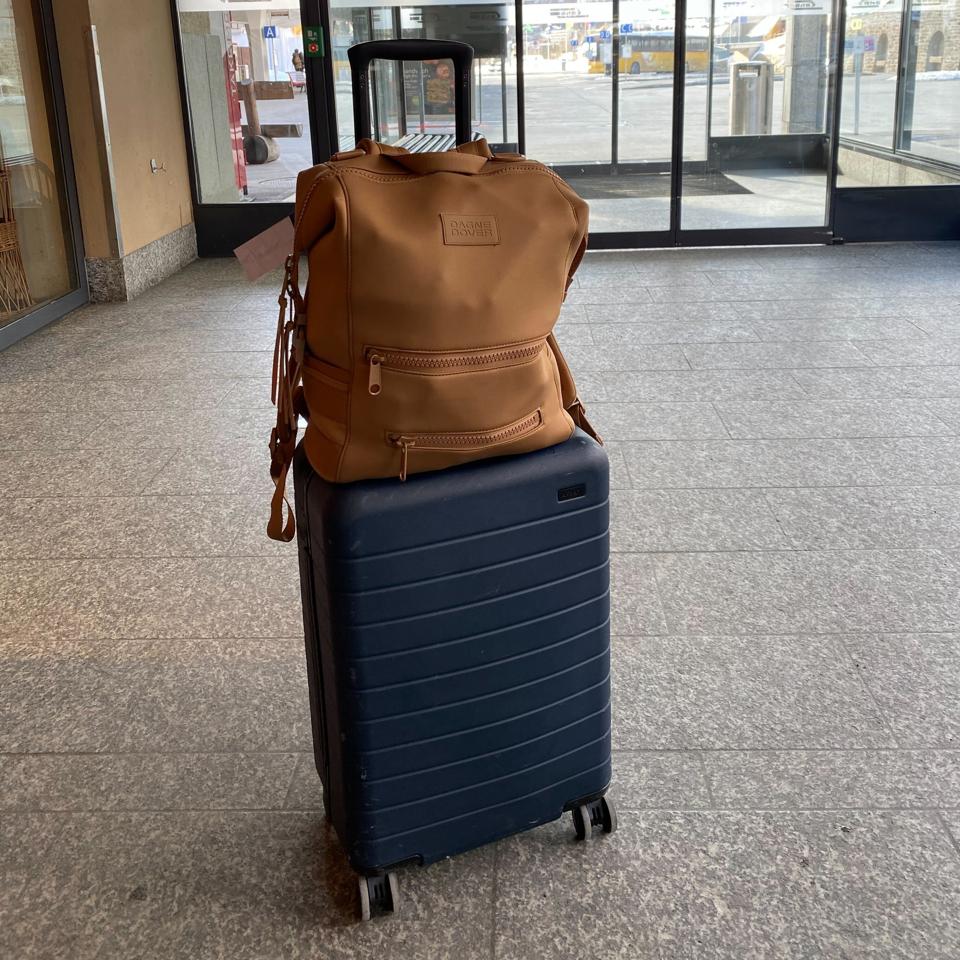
{"type": "Point", "coordinates": [37, 262]}
{"type": "Point", "coordinates": [244, 72]}
{"type": "Point", "coordinates": [909, 111]}
{"type": "Point", "coordinates": [931, 84]}
{"type": "Point", "coordinates": [871, 61]}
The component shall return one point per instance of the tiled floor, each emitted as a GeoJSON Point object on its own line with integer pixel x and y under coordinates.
{"type": "Point", "coordinates": [783, 426]}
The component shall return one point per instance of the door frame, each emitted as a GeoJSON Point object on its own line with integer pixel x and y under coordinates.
{"type": "Point", "coordinates": [222, 227]}
{"type": "Point", "coordinates": [57, 115]}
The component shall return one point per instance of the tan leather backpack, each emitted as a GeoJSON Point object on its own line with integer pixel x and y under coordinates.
{"type": "Point", "coordinates": [425, 338]}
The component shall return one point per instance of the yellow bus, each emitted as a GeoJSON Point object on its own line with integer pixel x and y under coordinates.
{"type": "Point", "coordinates": [650, 52]}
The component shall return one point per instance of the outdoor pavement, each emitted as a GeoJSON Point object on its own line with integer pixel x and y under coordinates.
{"type": "Point", "coordinates": [784, 430]}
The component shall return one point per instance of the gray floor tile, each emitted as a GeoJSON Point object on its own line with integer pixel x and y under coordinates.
{"type": "Point", "coordinates": [801, 309]}
{"type": "Point", "coordinates": [231, 467]}
{"type": "Point", "coordinates": [755, 886]}
{"type": "Point", "coordinates": [220, 366]}
{"type": "Point", "coordinates": [673, 331]}
{"type": "Point", "coordinates": [46, 427]}
{"type": "Point", "coordinates": [186, 696]}
{"type": "Point", "coordinates": [619, 475]}
{"type": "Point", "coordinates": [25, 842]}
{"type": "Point", "coordinates": [240, 885]}
{"type": "Point", "coordinates": [829, 779]}
{"type": "Point", "coordinates": [809, 592]}
{"type": "Point", "coordinates": [107, 396]}
{"type": "Point", "coordinates": [249, 394]}
{"type": "Point", "coordinates": [251, 532]}
{"type": "Point", "coordinates": [868, 517]}
{"type": "Point", "coordinates": [836, 328]}
{"type": "Point", "coordinates": [952, 821]}
{"type": "Point", "coordinates": [80, 473]}
{"type": "Point", "coordinates": [915, 679]}
{"type": "Point", "coordinates": [740, 692]}
{"type": "Point", "coordinates": [130, 429]}
{"type": "Point", "coordinates": [789, 720]}
{"type": "Point", "coordinates": [147, 598]}
{"type": "Point", "coordinates": [657, 421]}
{"type": "Point", "coordinates": [691, 292]}
{"type": "Point", "coordinates": [747, 463]}
{"type": "Point", "coordinates": [90, 365]}
{"type": "Point", "coordinates": [630, 313]}
{"type": "Point", "coordinates": [72, 527]}
{"type": "Point", "coordinates": [944, 325]}
{"type": "Point", "coordinates": [306, 790]}
{"type": "Point", "coordinates": [572, 333]}
{"type": "Point", "coordinates": [635, 604]}
{"type": "Point", "coordinates": [920, 353]}
{"type": "Point", "coordinates": [608, 292]}
{"type": "Point", "coordinates": [178, 781]}
{"type": "Point", "coordinates": [658, 520]}
{"type": "Point", "coordinates": [688, 385]}
{"type": "Point", "coordinates": [670, 780]}
{"type": "Point", "coordinates": [948, 411]}
{"type": "Point", "coordinates": [754, 356]}
{"type": "Point", "coordinates": [769, 419]}
{"type": "Point", "coordinates": [879, 382]}
{"type": "Point", "coordinates": [572, 313]}
{"type": "Point", "coordinates": [242, 336]}
{"type": "Point", "coordinates": [916, 460]}
{"type": "Point", "coordinates": [629, 357]}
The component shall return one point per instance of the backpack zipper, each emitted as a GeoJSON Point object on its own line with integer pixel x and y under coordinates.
{"type": "Point", "coordinates": [379, 357]}
{"type": "Point", "coordinates": [462, 441]}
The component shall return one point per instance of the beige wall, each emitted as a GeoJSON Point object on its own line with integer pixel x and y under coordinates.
{"type": "Point", "coordinates": [142, 97]}
{"type": "Point", "coordinates": [73, 26]}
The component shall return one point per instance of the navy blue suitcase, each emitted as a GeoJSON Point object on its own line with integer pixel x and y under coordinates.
{"type": "Point", "coordinates": [458, 651]}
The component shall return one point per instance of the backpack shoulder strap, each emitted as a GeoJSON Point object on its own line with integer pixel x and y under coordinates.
{"type": "Point", "coordinates": [287, 395]}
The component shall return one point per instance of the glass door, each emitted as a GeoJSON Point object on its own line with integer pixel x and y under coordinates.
{"type": "Point", "coordinates": [758, 107]}
{"type": "Point", "coordinates": [598, 83]}
{"type": "Point", "coordinates": [39, 249]}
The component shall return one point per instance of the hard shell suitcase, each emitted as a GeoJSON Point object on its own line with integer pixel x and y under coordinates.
{"type": "Point", "coordinates": [458, 653]}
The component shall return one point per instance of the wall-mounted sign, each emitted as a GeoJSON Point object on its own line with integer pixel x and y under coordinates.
{"type": "Point", "coordinates": [269, 33]}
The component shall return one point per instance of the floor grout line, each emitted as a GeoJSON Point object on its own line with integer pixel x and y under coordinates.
{"type": "Point", "coordinates": [305, 751]}
{"type": "Point", "coordinates": [952, 838]}
{"type": "Point", "coordinates": [621, 806]}
{"type": "Point", "coordinates": [706, 779]}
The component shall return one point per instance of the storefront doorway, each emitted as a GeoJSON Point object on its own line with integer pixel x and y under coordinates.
{"type": "Point", "coordinates": [680, 121]}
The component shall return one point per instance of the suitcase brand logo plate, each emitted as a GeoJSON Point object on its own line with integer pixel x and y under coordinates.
{"type": "Point", "coordinates": [572, 493]}
{"type": "Point", "coordinates": [469, 230]}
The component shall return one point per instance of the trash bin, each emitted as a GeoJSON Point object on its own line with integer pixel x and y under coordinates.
{"type": "Point", "coordinates": [751, 98]}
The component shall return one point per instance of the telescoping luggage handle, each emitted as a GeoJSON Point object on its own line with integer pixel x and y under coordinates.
{"type": "Point", "coordinates": [362, 53]}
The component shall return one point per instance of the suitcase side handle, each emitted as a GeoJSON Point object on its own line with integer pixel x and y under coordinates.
{"type": "Point", "coordinates": [362, 54]}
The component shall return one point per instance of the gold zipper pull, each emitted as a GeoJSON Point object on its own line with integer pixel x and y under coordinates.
{"type": "Point", "coordinates": [404, 443]}
{"type": "Point", "coordinates": [374, 385]}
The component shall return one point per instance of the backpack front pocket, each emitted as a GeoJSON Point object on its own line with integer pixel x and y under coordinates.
{"type": "Point", "coordinates": [435, 363]}
{"type": "Point", "coordinates": [462, 441]}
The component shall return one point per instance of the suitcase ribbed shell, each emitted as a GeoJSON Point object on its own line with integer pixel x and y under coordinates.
{"type": "Point", "coordinates": [458, 649]}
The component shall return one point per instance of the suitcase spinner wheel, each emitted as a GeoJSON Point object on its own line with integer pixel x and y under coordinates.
{"type": "Point", "coordinates": [597, 813]}
{"type": "Point", "coordinates": [379, 894]}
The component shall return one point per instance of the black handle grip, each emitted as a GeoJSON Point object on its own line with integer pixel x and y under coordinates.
{"type": "Point", "coordinates": [362, 53]}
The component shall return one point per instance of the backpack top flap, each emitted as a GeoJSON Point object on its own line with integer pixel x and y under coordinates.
{"type": "Point", "coordinates": [425, 336]}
